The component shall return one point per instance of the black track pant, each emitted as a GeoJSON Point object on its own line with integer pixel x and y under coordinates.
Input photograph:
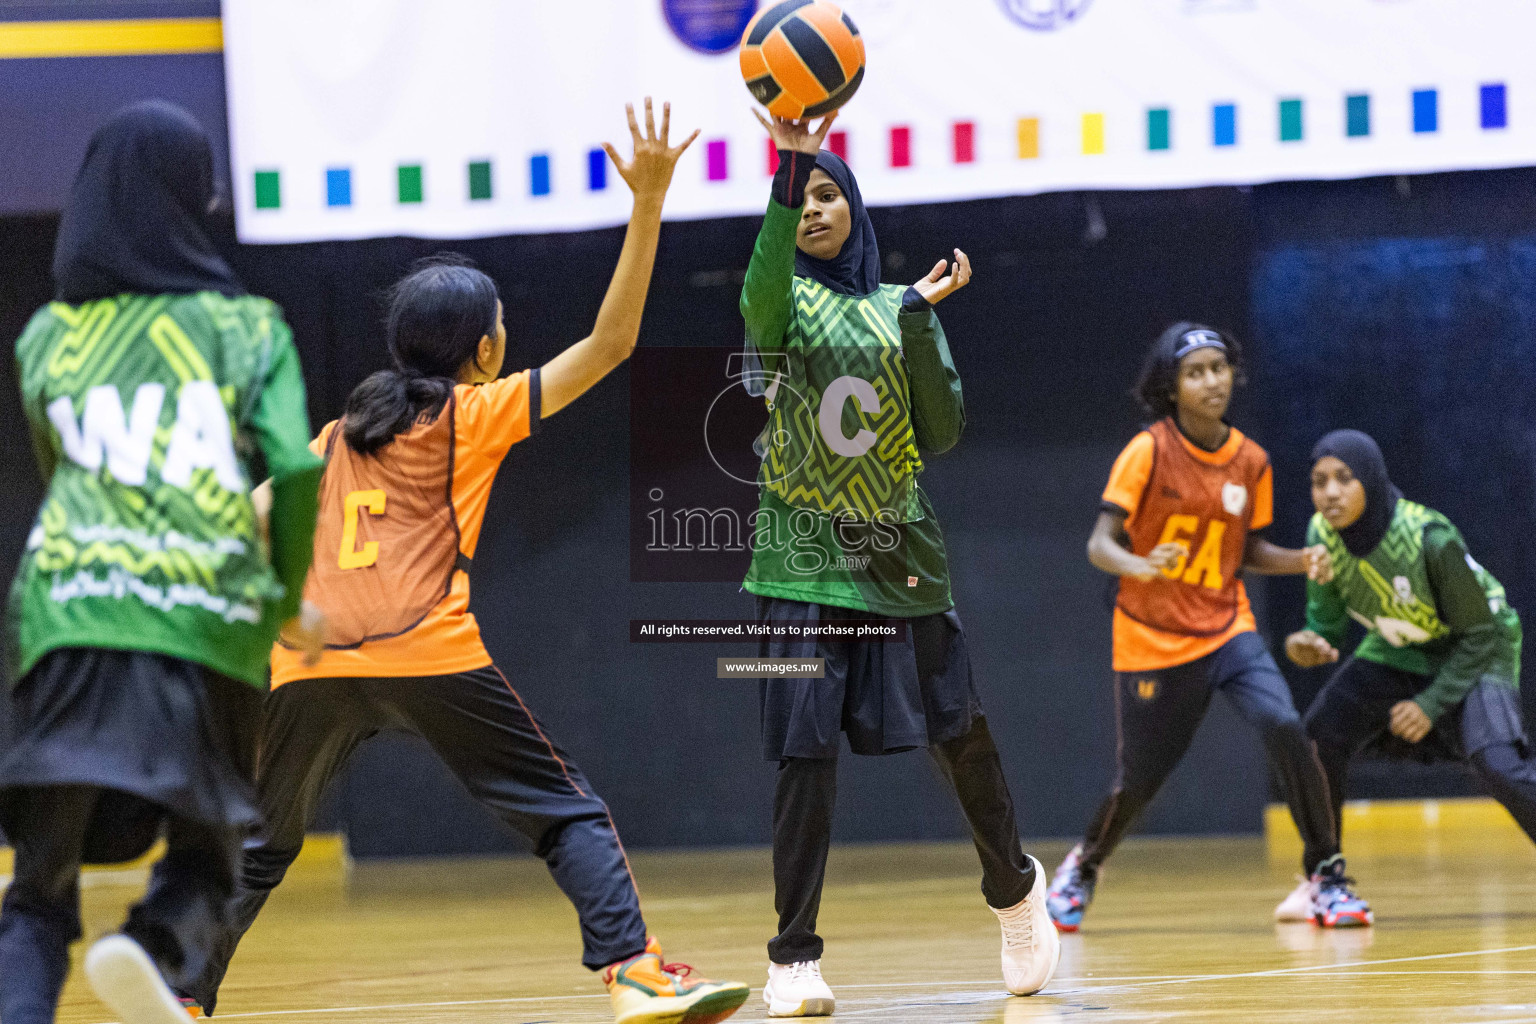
{"type": "Point", "coordinates": [177, 922]}
{"type": "Point", "coordinates": [1157, 714]}
{"type": "Point", "coordinates": [1352, 712]}
{"type": "Point", "coordinates": [803, 802]}
{"type": "Point", "coordinates": [487, 737]}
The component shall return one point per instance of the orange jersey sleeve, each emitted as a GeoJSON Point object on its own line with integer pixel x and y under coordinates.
{"type": "Point", "coordinates": [1264, 499]}
{"type": "Point", "coordinates": [1128, 479]}
{"type": "Point", "coordinates": [493, 417]}
{"type": "Point", "coordinates": [318, 444]}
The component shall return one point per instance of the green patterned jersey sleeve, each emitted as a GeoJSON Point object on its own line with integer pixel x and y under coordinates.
{"type": "Point", "coordinates": [1463, 607]}
{"type": "Point", "coordinates": [938, 409]}
{"type": "Point", "coordinates": [767, 302]}
{"type": "Point", "coordinates": [32, 397]}
{"type": "Point", "coordinates": [1327, 612]}
{"type": "Point", "coordinates": [281, 423]}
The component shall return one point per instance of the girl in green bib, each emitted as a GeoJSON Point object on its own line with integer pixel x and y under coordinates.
{"type": "Point", "coordinates": [1438, 673]}
{"type": "Point", "coordinates": [858, 381]}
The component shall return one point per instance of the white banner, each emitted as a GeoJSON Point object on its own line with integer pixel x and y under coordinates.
{"type": "Point", "coordinates": [461, 118]}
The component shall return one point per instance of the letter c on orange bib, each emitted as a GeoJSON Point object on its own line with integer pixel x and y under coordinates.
{"type": "Point", "coordinates": [351, 556]}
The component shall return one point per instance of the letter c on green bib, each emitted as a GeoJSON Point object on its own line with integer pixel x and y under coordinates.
{"type": "Point", "coordinates": [830, 418]}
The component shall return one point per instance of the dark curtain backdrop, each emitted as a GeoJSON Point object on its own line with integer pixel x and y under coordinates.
{"type": "Point", "coordinates": [1068, 291]}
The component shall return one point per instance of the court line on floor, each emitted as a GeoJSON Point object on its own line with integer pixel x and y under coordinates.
{"type": "Point", "coordinates": [1143, 981]}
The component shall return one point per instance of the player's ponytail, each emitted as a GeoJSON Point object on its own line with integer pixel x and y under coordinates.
{"type": "Point", "coordinates": [437, 315]}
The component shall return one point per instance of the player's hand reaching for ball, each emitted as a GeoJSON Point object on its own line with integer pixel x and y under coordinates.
{"type": "Point", "coordinates": [1164, 556]}
{"type": "Point", "coordinates": [938, 285]}
{"type": "Point", "coordinates": [796, 136]}
{"type": "Point", "coordinates": [1309, 650]}
{"type": "Point", "coordinates": [1409, 722]}
{"type": "Point", "coordinates": [649, 173]}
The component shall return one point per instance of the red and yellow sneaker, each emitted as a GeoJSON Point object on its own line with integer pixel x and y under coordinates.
{"type": "Point", "coordinates": [647, 991]}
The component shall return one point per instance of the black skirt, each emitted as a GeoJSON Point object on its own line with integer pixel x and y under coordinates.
{"type": "Point", "coordinates": [159, 735]}
{"type": "Point", "coordinates": [887, 696]}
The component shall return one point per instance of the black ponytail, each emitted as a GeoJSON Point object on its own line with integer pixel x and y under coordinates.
{"type": "Point", "coordinates": [437, 315]}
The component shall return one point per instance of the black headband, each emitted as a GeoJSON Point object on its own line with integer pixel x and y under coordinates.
{"type": "Point", "coordinates": [1199, 338]}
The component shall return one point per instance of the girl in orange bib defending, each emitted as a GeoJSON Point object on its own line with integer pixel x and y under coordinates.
{"type": "Point", "coordinates": [1179, 523]}
{"type": "Point", "coordinates": [408, 473]}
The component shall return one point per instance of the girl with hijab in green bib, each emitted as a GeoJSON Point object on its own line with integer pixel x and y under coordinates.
{"type": "Point", "coordinates": [1437, 676]}
{"type": "Point", "coordinates": [859, 382]}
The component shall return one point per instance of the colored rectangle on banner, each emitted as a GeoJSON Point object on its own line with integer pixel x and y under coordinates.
{"type": "Point", "coordinates": [773, 157]}
{"type": "Point", "coordinates": [837, 142]}
{"type": "Point", "coordinates": [538, 174]}
{"type": "Point", "coordinates": [480, 187]}
{"type": "Point", "coordinates": [717, 166]}
{"type": "Point", "coordinates": [597, 170]}
{"type": "Point", "coordinates": [269, 190]}
{"type": "Point", "coordinates": [338, 186]}
{"type": "Point", "coordinates": [1093, 134]}
{"type": "Point", "coordinates": [1426, 111]}
{"type": "Point", "coordinates": [1029, 138]}
{"type": "Point", "coordinates": [1291, 127]}
{"type": "Point", "coordinates": [965, 142]}
{"type": "Point", "coordinates": [1158, 128]}
{"type": "Point", "coordinates": [410, 183]}
{"type": "Point", "coordinates": [1357, 115]}
{"type": "Point", "coordinates": [901, 146]}
{"type": "Point", "coordinates": [1493, 111]}
{"type": "Point", "coordinates": [1224, 124]}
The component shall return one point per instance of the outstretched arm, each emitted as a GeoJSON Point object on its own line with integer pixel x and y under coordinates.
{"type": "Point", "coordinates": [766, 304]}
{"type": "Point", "coordinates": [567, 376]}
{"type": "Point", "coordinates": [1266, 559]}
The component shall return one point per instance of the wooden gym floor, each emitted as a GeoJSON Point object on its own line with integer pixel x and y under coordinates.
{"type": "Point", "coordinates": [1181, 932]}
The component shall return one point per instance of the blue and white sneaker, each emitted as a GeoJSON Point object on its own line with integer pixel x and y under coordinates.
{"type": "Point", "coordinates": [1071, 892]}
{"type": "Point", "coordinates": [1334, 903]}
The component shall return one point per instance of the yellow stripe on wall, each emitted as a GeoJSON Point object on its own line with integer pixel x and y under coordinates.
{"type": "Point", "coordinates": [146, 36]}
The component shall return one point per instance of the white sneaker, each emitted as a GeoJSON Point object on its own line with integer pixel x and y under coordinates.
{"type": "Point", "coordinates": [126, 979]}
{"type": "Point", "coordinates": [796, 990]}
{"type": "Point", "coordinates": [1031, 947]}
{"type": "Point", "coordinates": [1298, 905]}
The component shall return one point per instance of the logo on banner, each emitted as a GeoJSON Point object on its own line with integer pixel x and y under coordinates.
{"type": "Point", "coordinates": [1044, 15]}
{"type": "Point", "coordinates": [709, 26]}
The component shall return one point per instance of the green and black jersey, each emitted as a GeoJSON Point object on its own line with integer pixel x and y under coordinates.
{"type": "Point", "coordinates": [148, 414]}
{"type": "Point", "coordinates": [856, 385]}
{"type": "Point", "coordinates": [1429, 607]}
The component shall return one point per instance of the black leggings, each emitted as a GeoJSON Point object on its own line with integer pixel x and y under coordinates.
{"type": "Point", "coordinates": [1157, 714]}
{"type": "Point", "coordinates": [803, 803]}
{"type": "Point", "coordinates": [177, 922]}
{"type": "Point", "coordinates": [487, 737]}
{"type": "Point", "coordinates": [1352, 711]}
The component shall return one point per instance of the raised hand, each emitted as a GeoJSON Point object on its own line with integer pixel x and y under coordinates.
{"type": "Point", "coordinates": [938, 284]}
{"type": "Point", "coordinates": [796, 136]}
{"type": "Point", "coordinates": [649, 173]}
{"type": "Point", "coordinates": [1309, 650]}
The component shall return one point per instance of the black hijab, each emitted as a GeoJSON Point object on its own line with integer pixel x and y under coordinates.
{"type": "Point", "coordinates": [138, 210]}
{"type": "Point", "coordinates": [855, 270]}
{"type": "Point", "coordinates": [1363, 457]}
